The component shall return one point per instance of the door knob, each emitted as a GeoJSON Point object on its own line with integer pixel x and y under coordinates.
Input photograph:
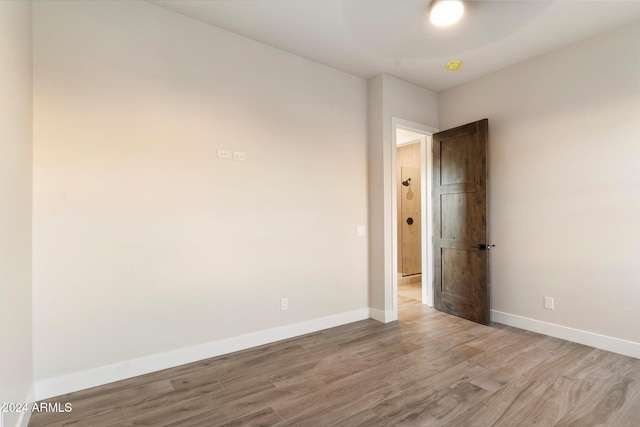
{"type": "Point", "coordinates": [484, 247]}
{"type": "Point", "coordinates": [409, 220]}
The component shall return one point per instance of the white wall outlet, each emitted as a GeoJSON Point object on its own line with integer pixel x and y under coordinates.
{"type": "Point", "coordinates": [361, 230]}
{"type": "Point", "coordinates": [224, 154]}
{"type": "Point", "coordinates": [548, 303]}
{"type": "Point", "coordinates": [284, 304]}
{"type": "Point", "coordinates": [239, 155]}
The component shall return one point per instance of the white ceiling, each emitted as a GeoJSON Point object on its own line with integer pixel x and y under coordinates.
{"type": "Point", "coordinates": [369, 37]}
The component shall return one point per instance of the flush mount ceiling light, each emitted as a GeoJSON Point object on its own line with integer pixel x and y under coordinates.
{"type": "Point", "coordinates": [454, 65]}
{"type": "Point", "coordinates": [446, 12]}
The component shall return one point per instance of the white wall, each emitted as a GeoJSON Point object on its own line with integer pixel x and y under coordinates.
{"type": "Point", "coordinates": [15, 204]}
{"type": "Point", "coordinates": [565, 202]}
{"type": "Point", "coordinates": [144, 241]}
{"type": "Point", "coordinates": [388, 97]}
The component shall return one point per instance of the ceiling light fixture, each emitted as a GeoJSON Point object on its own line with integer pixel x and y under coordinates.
{"type": "Point", "coordinates": [454, 65]}
{"type": "Point", "coordinates": [446, 12]}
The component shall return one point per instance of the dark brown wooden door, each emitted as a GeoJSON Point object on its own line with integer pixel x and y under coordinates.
{"type": "Point", "coordinates": [460, 221]}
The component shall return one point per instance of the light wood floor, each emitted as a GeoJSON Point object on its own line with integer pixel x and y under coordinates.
{"type": "Point", "coordinates": [428, 369]}
{"type": "Point", "coordinates": [410, 290]}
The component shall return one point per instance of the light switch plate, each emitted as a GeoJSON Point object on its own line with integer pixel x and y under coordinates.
{"type": "Point", "coordinates": [224, 154]}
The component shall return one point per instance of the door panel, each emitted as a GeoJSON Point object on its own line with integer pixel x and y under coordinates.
{"type": "Point", "coordinates": [460, 264]}
{"type": "Point", "coordinates": [410, 221]}
{"type": "Point", "coordinates": [457, 155]}
{"type": "Point", "coordinates": [460, 221]}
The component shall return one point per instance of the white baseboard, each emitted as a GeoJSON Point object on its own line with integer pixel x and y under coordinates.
{"type": "Point", "coordinates": [383, 316]}
{"type": "Point", "coordinates": [51, 387]}
{"type": "Point", "coordinates": [23, 421]}
{"type": "Point", "coordinates": [19, 419]}
{"type": "Point", "coordinates": [616, 345]}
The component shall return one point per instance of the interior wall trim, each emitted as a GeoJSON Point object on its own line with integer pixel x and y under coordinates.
{"type": "Point", "coordinates": [26, 416]}
{"type": "Point", "coordinates": [383, 316]}
{"type": "Point", "coordinates": [604, 342]}
{"type": "Point", "coordinates": [51, 387]}
{"type": "Point", "coordinates": [22, 418]}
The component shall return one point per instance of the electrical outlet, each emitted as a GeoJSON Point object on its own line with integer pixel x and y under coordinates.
{"type": "Point", "coordinates": [284, 304]}
{"type": "Point", "coordinates": [548, 303]}
{"type": "Point", "coordinates": [361, 230]}
{"type": "Point", "coordinates": [224, 154]}
{"type": "Point", "coordinates": [239, 155]}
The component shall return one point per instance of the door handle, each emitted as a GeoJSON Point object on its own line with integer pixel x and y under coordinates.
{"type": "Point", "coordinates": [484, 247]}
{"type": "Point", "coordinates": [409, 220]}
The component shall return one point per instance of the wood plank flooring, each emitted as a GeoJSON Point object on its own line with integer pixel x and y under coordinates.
{"type": "Point", "coordinates": [427, 369]}
{"type": "Point", "coordinates": [412, 290]}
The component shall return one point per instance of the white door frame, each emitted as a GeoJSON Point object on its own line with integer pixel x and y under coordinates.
{"type": "Point", "coordinates": [426, 238]}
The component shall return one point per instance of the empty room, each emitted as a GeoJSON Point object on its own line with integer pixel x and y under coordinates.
{"type": "Point", "coordinates": [319, 213]}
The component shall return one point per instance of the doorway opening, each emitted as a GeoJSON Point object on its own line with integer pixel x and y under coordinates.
{"type": "Point", "coordinates": [409, 211]}
{"type": "Point", "coordinates": [411, 200]}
